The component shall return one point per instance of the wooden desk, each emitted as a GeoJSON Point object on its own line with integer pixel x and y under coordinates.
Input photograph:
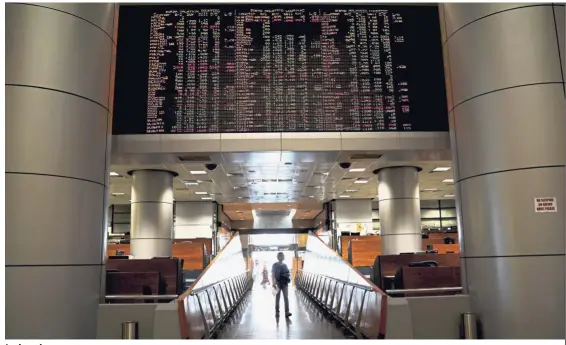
{"type": "Point", "coordinates": [430, 277]}
{"type": "Point", "coordinates": [373, 242]}
{"type": "Point", "coordinates": [132, 283]}
{"type": "Point", "coordinates": [170, 273]}
{"type": "Point", "coordinates": [387, 265]}
{"type": "Point", "coordinates": [362, 253]}
{"type": "Point", "coordinates": [446, 248]}
{"type": "Point", "coordinates": [194, 254]}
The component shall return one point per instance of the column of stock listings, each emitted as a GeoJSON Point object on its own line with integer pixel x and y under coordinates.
{"type": "Point", "coordinates": [276, 70]}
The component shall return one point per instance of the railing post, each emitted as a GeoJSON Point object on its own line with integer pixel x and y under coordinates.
{"type": "Point", "coordinates": [130, 330]}
{"type": "Point", "coordinates": [211, 307]}
{"type": "Point", "coordinates": [226, 308]}
{"type": "Point", "coordinates": [218, 301]}
{"type": "Point", "coordinates": [340, 299]}
{"type": "Point", "coordinates": [359, 320]}
{"type": "Point", "coordinates": [333, 295]}
{"type": "Point", "coordinates": [349, 305]}
{"type": "Point", "coordinates": [328, 293]}
{"type": "Point", "coordinates": [205, 324]}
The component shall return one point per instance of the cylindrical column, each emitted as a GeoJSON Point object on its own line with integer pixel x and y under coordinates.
{"type": "Point", "coordinates": [399, 210]}
{"type": "Point", "coordinates": [507, 125]}
{"type": "Point", "coordinates": [152, 213]}
{"type": "Point", "coordinates": [59, 60]}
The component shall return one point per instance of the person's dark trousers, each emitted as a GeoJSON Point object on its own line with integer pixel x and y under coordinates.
{"type": "Point", "coordinates": [285, 290]}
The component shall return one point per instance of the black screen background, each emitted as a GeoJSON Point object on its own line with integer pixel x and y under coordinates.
{"type": "Point", "coordinates": [422, 53]}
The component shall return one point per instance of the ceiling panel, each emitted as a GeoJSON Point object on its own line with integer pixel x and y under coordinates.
{"type": "Point", "coordinates": [265, 177]}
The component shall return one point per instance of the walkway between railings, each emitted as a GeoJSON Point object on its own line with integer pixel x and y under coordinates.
{"type": "Point", "coordinates": [255, 319]}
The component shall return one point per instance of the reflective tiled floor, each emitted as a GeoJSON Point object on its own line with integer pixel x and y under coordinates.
{"type": "Point", "coordinates": [255, 319]}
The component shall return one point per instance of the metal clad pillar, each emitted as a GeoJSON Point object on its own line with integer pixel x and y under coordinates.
{"type": "Point", "coordinates": [504, 67]}
{"type": "Point", "coordinates": [399, 210]}
{"type": "Point", "coordinates": [152, 213]}
{"type": "Point", "coordinates": [59, 66]}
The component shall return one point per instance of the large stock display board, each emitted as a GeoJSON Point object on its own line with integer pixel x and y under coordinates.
{"type": "Point", "coordinates": [290, 68]}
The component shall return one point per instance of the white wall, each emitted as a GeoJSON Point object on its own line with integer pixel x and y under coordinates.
{"type": "Point", "coordinates": [194, 219]}
{"type": "Point", "coordinates": [352, 212]}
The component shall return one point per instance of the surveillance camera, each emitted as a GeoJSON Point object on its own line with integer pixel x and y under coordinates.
{"type": "Point", "coordinates": [345, 165]}
{"type": "Point", "coordinates": [211, 167]}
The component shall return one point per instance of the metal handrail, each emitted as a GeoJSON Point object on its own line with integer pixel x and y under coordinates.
{"type": "Point", "coordinates": [313, 284]}
{"type": "Point", "coordinates": [424, 290]}
{"type": "Point", "coordinates": [119, 297]}
{"type": "Point", "coordinates": [363, 287]}
{"type": "Point", "coordinates": [204, 288]}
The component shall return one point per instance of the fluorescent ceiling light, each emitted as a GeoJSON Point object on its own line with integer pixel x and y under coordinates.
{"type": "Point", "coordinates": [448, 180]}
{"type": "Point", "coordinates": [114, 174]}
{"type": "Point", "coordinates": [441, 169]}
{"type": "Point", "coordinates": [344, 196]}
{"type": "Point", "coordinates": [430, 190]}
{"type": "Point", "coordinates": [228, 174]}
{"type": "Point", "coordinates": [311, 196]}
{"type": "Point", "coordinates": [117, 194]}
{"type": "Point", "coordinates": [198, 172]}
{"type": "Point", "coordinates": [190, 183]}
{"type": "Point", "coordinates": [357, 169]}
{"type": "Point", "coordinates": [325, 173]}
{"type": "Point", "coordinates": [201, 193]}
{"type": "Point", "coordinates": [449, 196]}
{"type": "Point", "coordinates": [361, 181]}
{"type": "Point", "coordinates": [206, 198]}
{"type": "Point", "coordinates": [351, 190]}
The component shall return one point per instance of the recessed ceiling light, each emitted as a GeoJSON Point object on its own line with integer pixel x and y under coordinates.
{"type": "Point", "coordinates": [441, 169]}
{"type": "Point", "coordinates": [361, 181]}
{"type": "Point", "coordinates": [449, 196]}
{"type": "Point", "coordinates": [190, 183]}
{"type": "Point", "coordinates": [351, 190]}
{"type": "Point", "coordinates": [311, 196]}
{"type": "Point", "coordinates": [357, 169]}
{"type": "Point", "coordinates": [201, 193]}
{"type": "Point", "coordinates": [117, 194]}
{"type": "Point", "coordinates": [344, 196]}
{"type": "Point", "coordinates": [206, 198]}
{"type": "Point", "coordinates": [430, 190]}
{"type": "Point", "coordinates": [448, 180]}
{"type": "Point", "coordinates": [114, 174]}
{"type": "Point", "coordinates": [198, 172]}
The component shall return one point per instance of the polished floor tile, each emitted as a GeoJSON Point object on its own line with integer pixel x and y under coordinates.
{"type": "Point", "coordinates": [255, 319]}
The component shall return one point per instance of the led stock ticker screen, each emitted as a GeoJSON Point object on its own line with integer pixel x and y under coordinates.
{"type": "Point", "coordinates": [195, 69]}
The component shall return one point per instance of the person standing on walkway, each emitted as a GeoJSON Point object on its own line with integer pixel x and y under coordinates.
{"type": "Point", "coordinates": [281, 280]}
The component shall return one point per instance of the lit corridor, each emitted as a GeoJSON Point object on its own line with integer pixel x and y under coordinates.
{"type": "Point", "coordinates": [255, 319]}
